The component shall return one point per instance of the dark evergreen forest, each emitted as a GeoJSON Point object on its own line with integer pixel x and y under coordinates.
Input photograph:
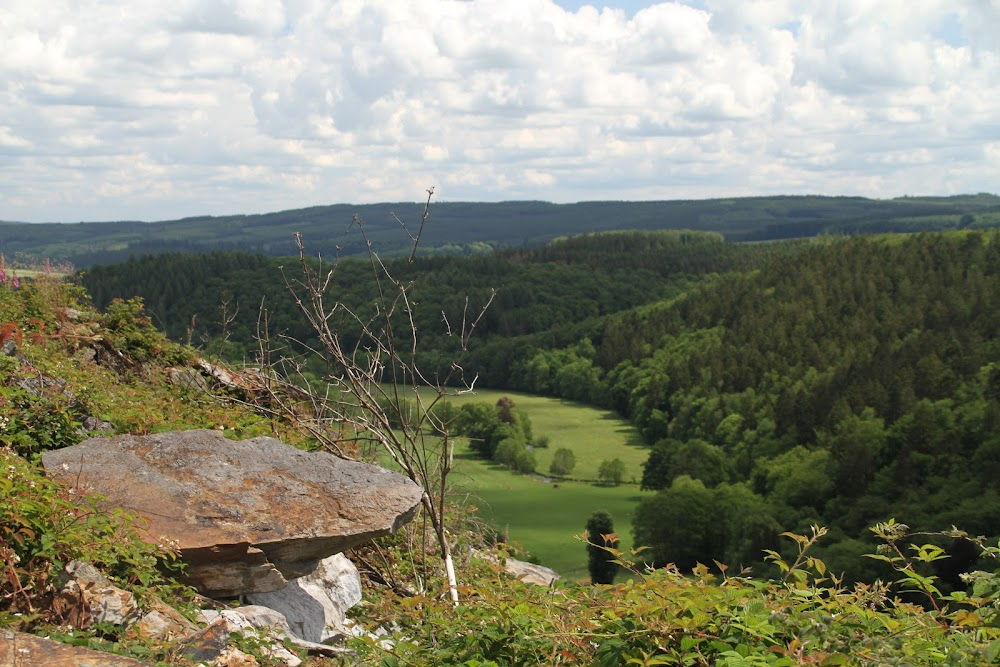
{"type": "Point", "coordinates": [839, 381]}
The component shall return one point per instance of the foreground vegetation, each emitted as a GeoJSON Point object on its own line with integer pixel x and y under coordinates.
{"type": "Point", "coordinates": [667, 617]}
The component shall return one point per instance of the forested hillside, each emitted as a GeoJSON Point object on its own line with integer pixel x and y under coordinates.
{"type": "Point", "coordinates": [838, 381]}
{"type": "Point", "coordinates": [857, 381]}
{"type": "Point", "coordinates": [464, 228]}
{"type": "Point", "coordinates": [556, 290]}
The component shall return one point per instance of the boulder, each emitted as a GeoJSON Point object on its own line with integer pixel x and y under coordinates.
{"type": "Point", "coordinates": [264, 622]}
{"type": "Point", "coordinates": [530, 572]}
{"type": "Point", "coordinates": [87, 597]}
{"type": "Point", "coordinates": [526, 572]}
{"type": "Point", "coordinates": [247, 516]}
{"type": "Point", "coordinates": [315, 605]}
{"type": "Point", "coordinates": [18, 649]}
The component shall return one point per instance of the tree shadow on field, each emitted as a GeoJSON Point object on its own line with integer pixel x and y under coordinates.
{"type": "Point", "coordinates": [631, 434]}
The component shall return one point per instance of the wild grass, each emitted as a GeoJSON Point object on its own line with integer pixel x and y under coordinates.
{"type": "Point", "coordinates": [593, 434]}
{"type": "Point", "coordinates": [545, 515]}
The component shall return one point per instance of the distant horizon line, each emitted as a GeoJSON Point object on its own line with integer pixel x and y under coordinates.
{"type": "Point", "coordinates": [497, 202]}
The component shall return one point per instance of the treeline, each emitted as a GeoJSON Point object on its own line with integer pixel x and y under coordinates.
{"type": "Point", "coordinates": [555, 291]}
{"type": "Point", "coordinates": [859, 381]}
{"type": "Point", "coordinates": [473, 227]}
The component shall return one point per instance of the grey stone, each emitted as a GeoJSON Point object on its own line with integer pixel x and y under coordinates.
{"type": "Point", "coordinates": [189, 378]}
{"type": "Point", "coordinates": [88, 597]}
{"type": "Point", "coordinates": [315, 605]}
{"type": "Point", "coordinates": [531, 573]}
{"type": "Point", "coordinates": [213, 640]}
{"type": "Point", "coordinates": [527, 572]}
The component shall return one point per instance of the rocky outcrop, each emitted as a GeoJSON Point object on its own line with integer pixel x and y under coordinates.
{"type": "Point", "coordinates": [87, 597]}
{"type": "Point", "coordinates": [531, 573]}
{"type": "Point", "coordinates": [315, 605]}
{"type": "Point", "coordinates": [247, 516]}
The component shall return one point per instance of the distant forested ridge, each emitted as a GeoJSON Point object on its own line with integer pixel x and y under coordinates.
{"type": "Point", "coordinates": [556, 290]}
{"type": "Point", "coordinates": [465, 228]}
{"type": "Point", "coordinates": [836, 381]}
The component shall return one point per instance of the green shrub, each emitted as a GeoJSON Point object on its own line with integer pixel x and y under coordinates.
{"type": "Point", "coordinates": [44, 525]}
{"type": "Point", "coordinates": [695, 619]}
{"type": "Point", "coordinates": [563, 462]}
{"type": "Point", "coordinates": [601, 543]}
{"type": "Point", "coordinates": [39, 419]}
{"type": "Point", "coordinates": [130, 332]}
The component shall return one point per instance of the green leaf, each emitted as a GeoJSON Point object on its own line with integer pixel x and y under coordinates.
{"type": "Point", "coordinates": [993, 651]}
{"type": "Point", "coordinates": [688, 643]}
{"type": "Point", "coordinates": [878, 557]}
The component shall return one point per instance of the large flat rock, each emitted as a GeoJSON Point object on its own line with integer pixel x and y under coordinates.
{"type": "Point", "coordinates": [247, 515]}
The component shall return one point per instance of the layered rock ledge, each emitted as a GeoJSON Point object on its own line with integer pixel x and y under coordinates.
{"type": "Point", "coordinates": [246, 515]}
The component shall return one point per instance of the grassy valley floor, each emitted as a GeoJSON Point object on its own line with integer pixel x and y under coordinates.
{"type": "Point", "coordinates": [546, 516]}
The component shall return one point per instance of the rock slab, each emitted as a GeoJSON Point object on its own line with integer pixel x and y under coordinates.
{"type": "Point", "coordinates": [247, 516]}
{"type": "Point", "coordinates": [18, 649]}
{"type": "Point", "coordinates": [531, 573]}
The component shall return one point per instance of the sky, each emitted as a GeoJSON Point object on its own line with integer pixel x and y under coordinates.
{"type": "Point", "coordinates": [129, 109]}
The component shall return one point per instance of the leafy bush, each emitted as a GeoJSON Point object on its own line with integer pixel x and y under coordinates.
{"type": "Point", "coordinates": [601, 545]}
{"type": "Point", "coordinates": [130, 332]}
{"type": "Point", "coordinates": [695, 619]}
{"type": "Point", "coordinates": [514, 453]}
{"type": "Point", "coordinates": [689, 523]}
{"type": "Point", "coordinates": [563, 462]}
{"type": "Point", "coordinates": [37, 418]}
{"type": "Point", "coordinates": [44, 525]}
{"type": "Point", "coordinates": [611, 471]}
{"type": "Point", "coordinates": [487, 426]}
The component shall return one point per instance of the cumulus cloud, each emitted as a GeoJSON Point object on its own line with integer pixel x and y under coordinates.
{"type": "Point", "coordinates": [151, 111]}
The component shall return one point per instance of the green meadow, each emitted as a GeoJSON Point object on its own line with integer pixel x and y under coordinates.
{"type": "Point", "coordinates": [592, 433]}
{"type": "Point", "coordinates": [546, 516]}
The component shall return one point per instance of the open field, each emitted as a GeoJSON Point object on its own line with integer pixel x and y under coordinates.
{"type": "Point", "coordinates": [543, 517]}
{"type": "Point", "coordinates": [592, 433]}
{"type": "Point", "coordinates": [546, 516]}
{"type": "Point", "coordinates": [32, 273]}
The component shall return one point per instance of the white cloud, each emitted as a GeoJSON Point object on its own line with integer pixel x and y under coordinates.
{"type": "Point", "coordinates": [138, 110]}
